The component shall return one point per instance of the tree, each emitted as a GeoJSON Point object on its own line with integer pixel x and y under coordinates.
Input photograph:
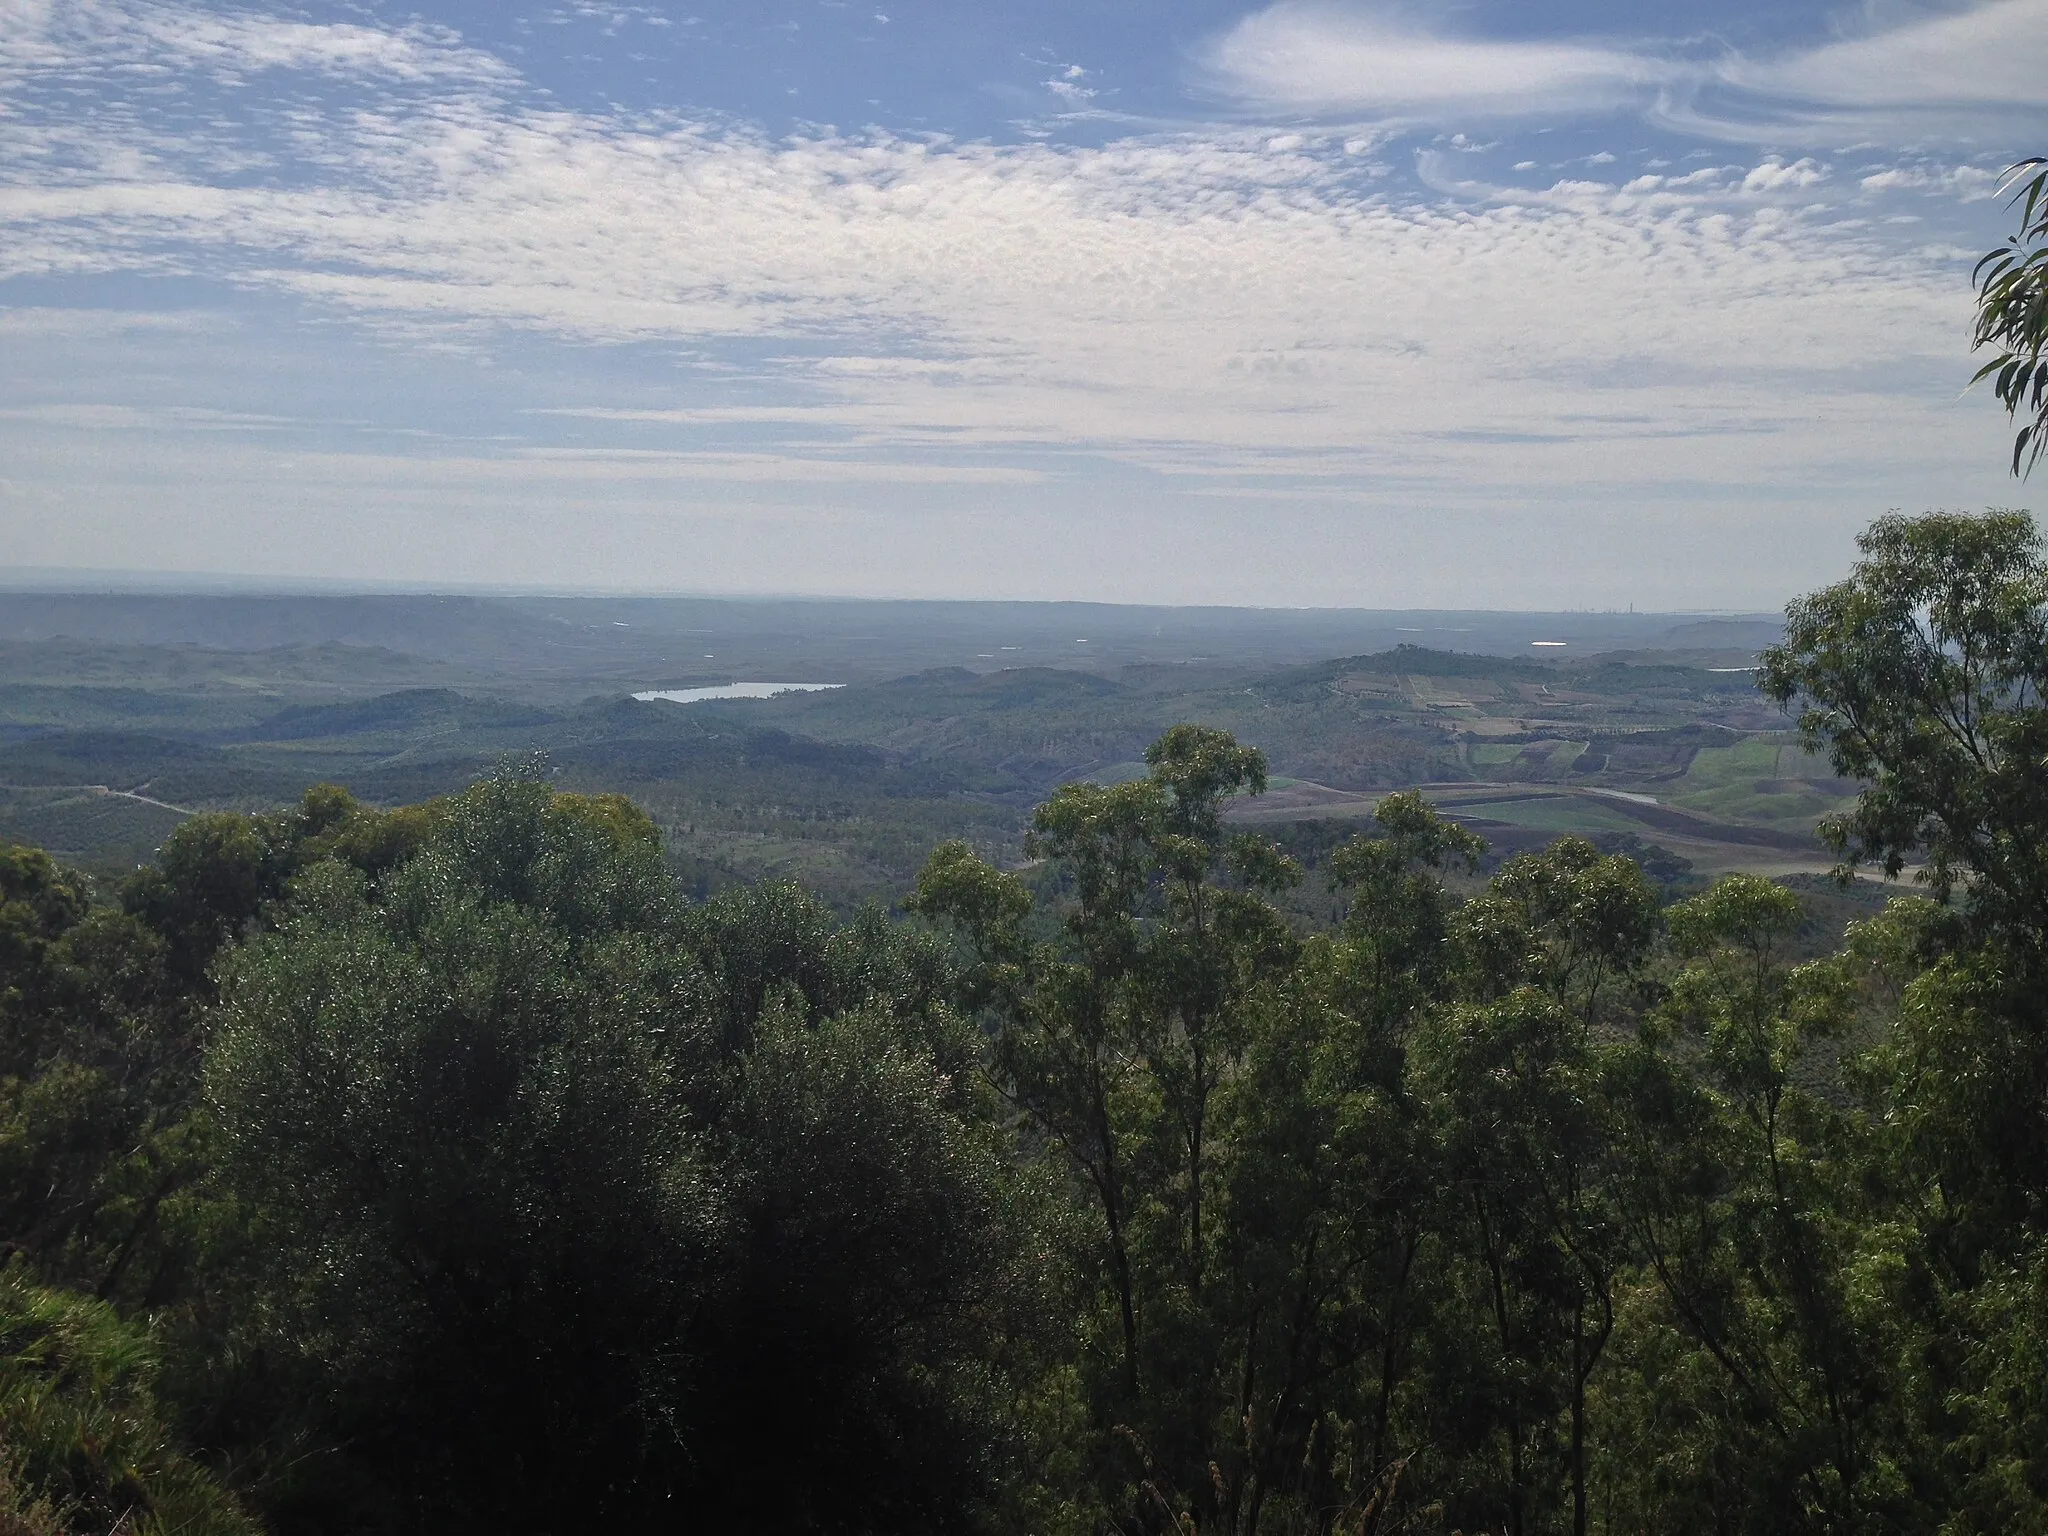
{"type": "Point", "coordinates": [215, 873]}
{"type": "Point", "coordinates": [1922, 675]}
{"type": "Point", "coordinates": [1767, 1258]}
{"type": "Point", "coordinates": [1256, 1176]}
{"type": "Point", "coordinates": [576, 1207]}
{"type": "Point", "coordinates": [97, 1065]}
{"type": "Point", "coordinates": [1399, 915]}
{"type": "Point", "coordinates": [1569, 921]}
{"type": "Point", "coordinates": [1515, 1076]}
{"type": "Point", "coordinates": [2012, 316]}
{"type": "Point", "coordinates": [39, 903]}
{"type": "Point", "coordinates": [457, 1123]}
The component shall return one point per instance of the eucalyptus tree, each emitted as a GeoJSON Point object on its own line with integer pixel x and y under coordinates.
{"type": "Point", "coordinates": [1922, 675]}
{"type": "Point", "coordinates": [2012, 316]}
{"type": "Point", "coordinates": [1515, 1069]}
{"type": "Point", "coordinates": [1234, 1104]}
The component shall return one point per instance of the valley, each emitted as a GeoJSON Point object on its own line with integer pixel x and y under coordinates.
{"type": "Point", "coordinates": [122, 714]}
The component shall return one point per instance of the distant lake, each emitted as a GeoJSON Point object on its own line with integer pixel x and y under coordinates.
{"type": "Point", "coordinates": [733, 691]}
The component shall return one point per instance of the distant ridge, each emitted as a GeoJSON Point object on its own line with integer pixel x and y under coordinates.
{"type": "Point", "coordinates": [467, 631]}
{"type": "Point", "coordinates": [683, 641]}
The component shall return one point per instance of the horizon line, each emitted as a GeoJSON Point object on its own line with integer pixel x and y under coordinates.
{"type": "Point", "coordinates": [85, 581]}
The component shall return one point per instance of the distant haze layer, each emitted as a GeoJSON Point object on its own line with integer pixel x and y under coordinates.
{"type": "Point", "coordinates": [659, 643]}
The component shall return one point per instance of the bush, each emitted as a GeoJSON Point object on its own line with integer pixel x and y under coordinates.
{"type": "Point", "coordinates": [86, 1447]}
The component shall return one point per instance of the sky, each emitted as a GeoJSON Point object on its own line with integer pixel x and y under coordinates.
{"type": "Point", "coordinates": [1524, 304]}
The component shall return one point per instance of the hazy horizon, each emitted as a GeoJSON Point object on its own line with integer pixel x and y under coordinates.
{"type": "Point", "coordinates": [64, 581]}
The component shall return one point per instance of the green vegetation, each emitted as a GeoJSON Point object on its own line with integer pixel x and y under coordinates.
{"type": "Point", "coordinates": [501, 1188]}
{"type": "Point", "coordinates": [461, 1166]}
{"type": "Point", "coordinates": [104, 747]}
{"type": "Point", "coordinates": [83, 1440]}
{"type": "Point", "coordinates": [1768, 781]}
{"type": "Point", "coordinates": [2012, 317]}
{"type": "Point", "coordinates": [1549, 813]}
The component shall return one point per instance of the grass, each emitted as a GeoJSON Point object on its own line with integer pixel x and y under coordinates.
{"type": "Point", "coordinates": [1560, 814]}
{"type": "Point", "coordinates": [1766, 781]}
{"type": "Point", "coordinates": [1565, 753]}
{"type": "Point", "coordinates": [83, 1445]}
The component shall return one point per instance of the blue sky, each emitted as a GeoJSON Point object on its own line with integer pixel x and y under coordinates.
{"type": "Point", "coordinates": [1490, 305]}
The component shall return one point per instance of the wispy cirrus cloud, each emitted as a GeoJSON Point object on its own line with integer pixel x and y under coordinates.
{"type": "Point", "coordinates": [1896, 76]}
{"type": "Point", "coordinates": [1990, 54]}
{"type": "Point", "coordinates": [1315, 57]}
{"type": "Point", "coordinates": [49, 322]}
{"type": "Point", "coordinates": [1949, 74]}
{"type": "Point", "coordinates": [99, 417]}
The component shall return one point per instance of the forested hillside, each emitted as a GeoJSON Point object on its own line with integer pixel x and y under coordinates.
{"type": "Point", "coordinates": [452, 1167]}
{"type": "Point", "coordinates": [105, 747]}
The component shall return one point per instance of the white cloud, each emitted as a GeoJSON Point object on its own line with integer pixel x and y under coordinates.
{"type": "Point", "coordinates": [99, 417]}
{"type": "Point", "coordinates": [1164, 300]}
{"type": "Point", "coordinates": [1234, 292]}
{"type": "Point", "coordinates": [1774, 175]}
{"type": "Point", "coordinates": [1971, 183]}
{"type": "Point", "coordinates": [1706, 177]}
{"type": "Point", "coordinates": [1955, 74]}
{"type": "Point", "coordinates": [1303, 56]}
{"type": "Point", "coordinates": [1994, 53]}
{"type": "Point", "coordinates": [102, 33]}
{"type": "Point", "coordinates": [1068, 86]}
{"type": "Point", "coordinates": [43, 321]}
{"type": "Point", "coordinates": [1954, 71]}
{"type": "Point", "coordinates": [624, 465]}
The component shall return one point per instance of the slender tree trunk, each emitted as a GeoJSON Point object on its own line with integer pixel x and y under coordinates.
{"type": "Point", "coordinates": [1248, 1473]}
{"type": "Point", "coordinates": [1579, 1416]}
{"type": "Point", "coordinates": [1109, 1188]}
{"type": "Point", "coordinates": [1121, 1265]}
{"type": "Point", "coordinates": [1500, 1314]}
{"type": "Point", "coordinates": [1199, 1113]}
{"type": "Point", "coordinates": [1383, 1408]}
{"type": "Point", "coordinates": [1120, 1269]}
{"type": "Point", "coordinates": [1515, 1474]}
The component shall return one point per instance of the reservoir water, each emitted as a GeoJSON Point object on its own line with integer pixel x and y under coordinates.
{"type": "Point", "coordinates": [733, 691]}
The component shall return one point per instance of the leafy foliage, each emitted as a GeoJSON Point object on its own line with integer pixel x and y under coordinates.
{"type": "Point", "coordinates": [84, 1443]}
{"type": "Point", "coordinates": [1922, 674]}
{"type": "Point", "coordinates": [2012, 316]}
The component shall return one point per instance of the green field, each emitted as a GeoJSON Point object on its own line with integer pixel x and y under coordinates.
{"type": "Point", "coordinates": [1768, 780]}
{"type": "Point", "coordinates": [1483, 755]}
{"type": "Point", "coordinates": [1559, 814]}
